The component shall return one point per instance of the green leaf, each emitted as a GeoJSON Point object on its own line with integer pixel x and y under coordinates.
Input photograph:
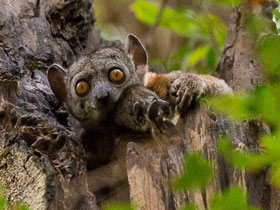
{"type": "Point", "coordinates": [179, 21]}
{"type": "Point", "coordinates": [241, 159]}
{"type": "Point", "coordinates": [271, 156]}
{"type": "Point", "coordinates": [185, 22]}
{"type": "Point", "coordinates": [271, 145]}
{"type": "Point", "coordinates": [177, 60]}
{"type": "Point", "coordinates": [275, 177]}
{"type": "Point", "coordinates": [211, 58]}
{"type": "Point", "coordinates": [181, 53]}
{"type": "Point", "coordinates": [232, 199]}
{"type": "Point", "coordinates": [145, 11]}
{"type": "Point", "coordinates": [258, 25]}
{"type": "Point", "coordinates": [235, 105]}
{"type": "Point", "coordinates": [264, 101]}
{"type": "Point", "coordinates": [198, 55]}
{"type": "Point", "coordinates": [196, 174]}
{"type": "Point", "coordinates": [190, 207]}
{"type": "Point", "coordinates": [268, 52]}
{"type": "Point", "coordinates": [212, 28]}
{"type": "Point", "coordinates": [237, 158]}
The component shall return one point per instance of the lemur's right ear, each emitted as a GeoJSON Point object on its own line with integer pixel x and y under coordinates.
{"type": "Point", "coordinates": [136, 50]}
{"type": "Point", "coordinates": [56, 77]}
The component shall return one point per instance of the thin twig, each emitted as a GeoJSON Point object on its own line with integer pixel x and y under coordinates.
{"type": "Point", "coordinates": [162, 6]}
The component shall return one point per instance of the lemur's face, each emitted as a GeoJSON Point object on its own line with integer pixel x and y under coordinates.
{"type": "Point", "coordinates": [94, 84]}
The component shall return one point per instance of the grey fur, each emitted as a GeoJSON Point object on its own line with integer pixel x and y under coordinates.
{"type": "Point", "coordinates": [89, 110]}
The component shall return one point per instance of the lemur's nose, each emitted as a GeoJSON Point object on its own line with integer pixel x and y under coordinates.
{"type": "Point", "coordinates": [102, 95]}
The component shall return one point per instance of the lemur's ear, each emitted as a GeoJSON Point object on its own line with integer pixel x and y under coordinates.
{"type": "Point", "coordinates": [56, 77]}
{"type": "Point", "coordinates": [136, 50]}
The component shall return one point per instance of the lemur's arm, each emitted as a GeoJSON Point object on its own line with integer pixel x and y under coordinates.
{"type": "Point", "coordinates": [182, 89]}
{"type": "Point", "coordinates": [162, 84]}
{"type": "Point", "coordinates": [145, 110]}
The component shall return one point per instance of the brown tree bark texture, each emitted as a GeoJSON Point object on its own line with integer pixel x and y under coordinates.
{"type": "Point", "coordinates": [42, 162]}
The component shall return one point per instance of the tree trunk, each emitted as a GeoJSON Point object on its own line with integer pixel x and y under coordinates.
{"type": "Point", "coordinates": [42, 162]}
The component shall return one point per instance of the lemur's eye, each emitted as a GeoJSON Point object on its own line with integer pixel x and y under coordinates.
{"type": "Point", "coordinates": [116, 76]}
{"type": "Point", "coordinates": [82, 88]}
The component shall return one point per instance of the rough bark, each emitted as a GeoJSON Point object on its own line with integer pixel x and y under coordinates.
{"type": "Point", "coordinates": [42, 162]}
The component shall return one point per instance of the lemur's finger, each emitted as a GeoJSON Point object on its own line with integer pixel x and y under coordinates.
{"type": "Point", "coordinates": [180, 94]}
{"type": "Point", "coordinates": [184, 97]}
{"type": "Point", "coordinates": [153, 110]}
{"type": "Point", "coordinates": [155, 114]}
{"type": "Point", "coordinates": [173, 90]}
{"type": "Point", "coordinates": [138, 112]}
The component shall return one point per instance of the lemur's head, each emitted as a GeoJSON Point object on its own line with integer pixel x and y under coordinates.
{"type": "Point", "coordinates": [93, 85]}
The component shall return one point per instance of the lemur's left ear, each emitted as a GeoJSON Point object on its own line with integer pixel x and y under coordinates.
{"type": "Point", "coordinates": [56, 77]}
{"type": "Point", "coordinates": [136, 50]}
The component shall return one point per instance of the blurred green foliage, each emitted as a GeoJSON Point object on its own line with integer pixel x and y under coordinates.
{"type": "Point", "coordinates": [261, 104]}
{"type": "Point", "coordinates": [120, 206]}
{"type": "Point", "coordinates": [206, 34]}
{"type": "Point", "coordinates": [232, 199]}
{"type": "Point", "coordinates": [190, 207]}
{"type": "Point", "coordinates": [196, 175]}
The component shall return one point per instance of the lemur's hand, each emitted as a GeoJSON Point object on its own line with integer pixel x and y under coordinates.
{"type": "Point", "coordinates": [186, 90]}
{"type": "Point", "coordinates": [151, 110]}
{"type": "Point", "coordinates": [141, 110]}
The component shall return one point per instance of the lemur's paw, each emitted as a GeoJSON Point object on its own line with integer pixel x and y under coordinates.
{"type": "Point", "coordinates": [186, 90]}
{"type": "Point", "coordinates": [152, 110]}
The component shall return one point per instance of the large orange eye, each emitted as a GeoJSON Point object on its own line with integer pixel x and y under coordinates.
{"type": "Point", "coordinates": [116, 76]}
{"type": "Point", "coordinates": [82, 88]}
